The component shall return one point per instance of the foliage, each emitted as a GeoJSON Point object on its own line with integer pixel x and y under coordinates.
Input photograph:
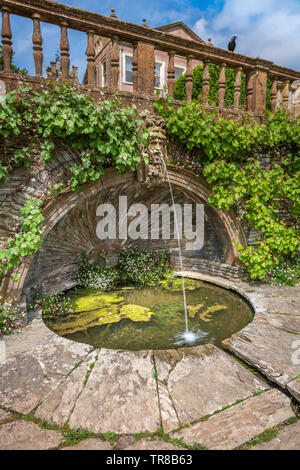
{"type": "Point", "coordinates": [54, 306]}
{"type": "Point", "coordinates": [14, 68]}
{"type": "Point", "coordinates": [228, 153]}
{"type": "Point", "coordinates": [214, 72]}
{"type": "Point", "coordinates": [95, 276]}
{"type": "Point", "coordinates": [8, 318]}
{"type": "Point", "coordinates": [135, 267]}
{"type": "Point", "coordinates": [104, 135]}
{"type": "Point", "coordinates": [74, 436]}
{"type": "Point", "coordinates": [287, 273]}
{"type": "Point", "coordinates": [143, 268]}
{"type": "Point", "coordinates": [28, 239]}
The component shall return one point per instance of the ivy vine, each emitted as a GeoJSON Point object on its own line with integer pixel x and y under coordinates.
{"type": "Point", "coordinates": [229, 154]}
{"type": "Point", "coordinates": [104, 135]}
{"type": "Point", "coordinates": [214, 73]}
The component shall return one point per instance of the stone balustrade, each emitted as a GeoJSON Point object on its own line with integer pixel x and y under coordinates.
{"type": "Point", "coordinates": [144, 41]}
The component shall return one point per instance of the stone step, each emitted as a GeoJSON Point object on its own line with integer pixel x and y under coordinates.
{"type": "Point", "coordinates": [239, 424]}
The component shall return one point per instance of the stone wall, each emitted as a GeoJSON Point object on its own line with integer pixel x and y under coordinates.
{"type": "Point", "coordinates": [54, 267]}
{"type": "Point", "coordinates": [70, 218]}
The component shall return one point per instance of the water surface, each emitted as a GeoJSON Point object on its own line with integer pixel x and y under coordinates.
{"type": "Point", "coordinates": [153, 317]}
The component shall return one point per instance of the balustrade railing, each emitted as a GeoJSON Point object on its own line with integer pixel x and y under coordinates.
{"type": "Point", "coordinates": [144, 41]}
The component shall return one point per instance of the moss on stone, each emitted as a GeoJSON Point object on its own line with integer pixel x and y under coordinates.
{"type": "Point", "coordinates": [94, 300]}
{"type": "Point", "coordinates": [135, 312]}
{"type": "Point", "coordinates": [193, 310]}
{"type": "Point", "coordinates": [103, 316]}
{"type": "Point", "coordinates": [207, 314]}
{"type": "Point", "coordinates": [175, 285]}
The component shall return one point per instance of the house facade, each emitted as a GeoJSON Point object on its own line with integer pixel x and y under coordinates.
{"type": "Point", "coordinates": [103, 71]}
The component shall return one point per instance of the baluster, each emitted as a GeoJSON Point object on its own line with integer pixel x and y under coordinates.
{"type": "Point", "coordinates": [90, 53]}
{"type": "Point", "coordinates": [135, 67]}
{"type": "Point", "coordinates": [37, 41]}
{"type": "Point", "coordinates": [75, 73]}
{"type": "Point", "coordinates": [259, 96]}
{"type": "Point", "coordinates": [171, 73]}
{"type": "Point", "coordinates": [249, 89]}
{"type": "Point", "coordinates": [222, 85]}
{"type": "Point", "coordinates": [189, 78]}
{"type": "Point", "coordinates": [7, 51]}
{"type": "Point", "coordinates": [237, 88]}
{"type": "Point", "coordinates": [115, 64]}
{"type": "Point", "coordinates": [285, 94]}
{"type": "Point", "coordinates": [274, 95]}
{"type": "Point", "coordinates": [54, 71]}
{"type": "Point", "coordinates": [64, 52]}
{"type": "Point", "coordinates": [206, 77]}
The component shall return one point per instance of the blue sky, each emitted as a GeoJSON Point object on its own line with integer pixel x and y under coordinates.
{"type": "Point", "coordinates": [266, 28]}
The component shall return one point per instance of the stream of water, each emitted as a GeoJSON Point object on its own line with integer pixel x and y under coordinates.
{"type": "Point", "coordinates": [187, 336]}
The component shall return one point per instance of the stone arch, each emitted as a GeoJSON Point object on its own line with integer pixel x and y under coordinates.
{"type": "Point", "coordinates": [196, 187]}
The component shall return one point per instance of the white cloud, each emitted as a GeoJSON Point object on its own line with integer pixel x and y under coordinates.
{"type": "Point", "coordinates": [265, 28]}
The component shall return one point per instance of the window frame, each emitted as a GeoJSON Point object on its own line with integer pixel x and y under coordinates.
{"type": "Point", "coordinates": [124, 56]}
{"type": "Point", "coordinates": [181, 67]}
{"type": "Point", "coordinates": [162, 74]}
{"type": "Point", "coordinates": [104, 76]}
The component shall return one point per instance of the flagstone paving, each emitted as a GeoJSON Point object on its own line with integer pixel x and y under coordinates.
{"type": "Point", "coordinates": [91, 444]}
{"type": "Point", "coordinates": [240, 423]}
{"type": "Point", "coordinates": [22, 435]}
{"type": "Point", "coordinates": [287, 439]}
{"type": "Point", "coordinates": [198, 395]}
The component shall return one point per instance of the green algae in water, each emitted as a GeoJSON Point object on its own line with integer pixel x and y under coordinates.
{"type": "Point", "coordinates": [152, 317]}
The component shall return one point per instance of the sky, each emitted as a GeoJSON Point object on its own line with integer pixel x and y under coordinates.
{"type": "Point", "coordinates": [269, 29]}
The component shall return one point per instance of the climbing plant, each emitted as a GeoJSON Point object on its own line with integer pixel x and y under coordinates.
{"type": "Point", "coordinates": [214, 72]}
{"type": "Point", "coordinates": [28, 239]}
{"type": "Point", "coordinates": [14, 68]}
{"type": "Point", "coordinates": [104, 135]}
{"type": "Point", "coordinates": [228, 153]}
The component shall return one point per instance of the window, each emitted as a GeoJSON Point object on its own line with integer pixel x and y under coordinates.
{"type": "Point", "coordinates": [104, 73]}
{"type": "Point", "coordinates": [128, 69]}
{"type": "Point", "coordinates": [179, 71]}
{"type": "Point", "coordinates": [159, 75]}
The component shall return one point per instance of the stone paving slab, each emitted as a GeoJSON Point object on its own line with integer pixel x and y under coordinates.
{"type": "Point", "coordinates": [120, 395]}
{"type": "Point", "coordinates": [167, 411]}
{"type": "Point", "coordinates": [26, 338]}
{"type": "Point", "coordinates": [290, 323]}
{"type": "Point", "coordinates": [202, 380]}
{"type": "Point", "coordinates": [239, 424]}
{"type": "Point", "coordinates": [274, 299]}
{"type": "Point", "coordinates": [268, 348]}
{"type": "Point", "coordinates": [25, 380]}
{"type": "Point", "coordinates": [91, 444]}
{"type": "Point", "coordinates": [294, 388]}
{"type": "Point", "coordinates": [4, 415]}
{"type": "Point", "coordinates": [58, 406]}
{"type": "Point", "coordinates": [59, 355]}
{"type": "Point", "coordinates": [22, 435]}
{"type": "Point", "coordinates": [125, 441]}
{"type": "Point", "coordinates": [23, 384]}
{"type": "Point", "coordinates": [287, 439]}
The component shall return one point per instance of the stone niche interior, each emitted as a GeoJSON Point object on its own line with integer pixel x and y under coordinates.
{"type": "Point", "coordinates": [54, 266]}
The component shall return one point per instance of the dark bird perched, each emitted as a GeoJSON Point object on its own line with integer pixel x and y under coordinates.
{"type": "Point", "coordinates": [232, 44]}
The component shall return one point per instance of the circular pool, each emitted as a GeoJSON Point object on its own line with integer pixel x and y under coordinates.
{"type": "Point", "coordinates": [153, 317]}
